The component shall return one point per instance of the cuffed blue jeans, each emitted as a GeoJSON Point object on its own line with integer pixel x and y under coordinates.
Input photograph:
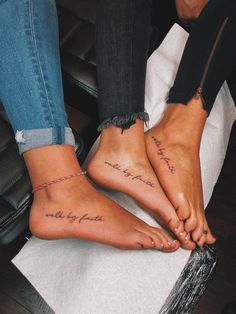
{"type": "Point", "coordinates": [30, 74]}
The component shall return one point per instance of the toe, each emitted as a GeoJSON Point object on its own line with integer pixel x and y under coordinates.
{"type": "Point", "coordinates": [203, 229]}
{"type": "Point", "coordinates": [198, 232]}
{"type": "Point", "coordinates": [202, 241]}
{"type": "Point", "coordinates": [177, 227]}
{"type": "Point", "coordinates": [183, 210]}
{"type": "Point", "coordinates": [170, 245]}
{"type": "Point", "coordinates": [163, 241]}
{"type": "Point", "coordinates": [210, 239]}
{"type": "Point", "coordinates": [191, 223]}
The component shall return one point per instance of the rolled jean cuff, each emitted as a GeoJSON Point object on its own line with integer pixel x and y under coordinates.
{"type": "Point", "coordinates": [35, 138]}
{"type": "Point", "coordinates": [123, 121]}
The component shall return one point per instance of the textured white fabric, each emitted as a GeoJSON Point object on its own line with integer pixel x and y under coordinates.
{"type": "Point", "coordinates": [78, 277]}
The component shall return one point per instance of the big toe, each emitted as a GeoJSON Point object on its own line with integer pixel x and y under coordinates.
{"type": "Point", "coordinates": [177, 228]}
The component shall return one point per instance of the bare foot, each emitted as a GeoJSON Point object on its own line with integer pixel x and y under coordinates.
{"type": "Point", "coordinates": [173, 150]}
{"type": "Point", "coordinates": [124, 167]}
{"type": "Point", "coordinates": [74, 209]}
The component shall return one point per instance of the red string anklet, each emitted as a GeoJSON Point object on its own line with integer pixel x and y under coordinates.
{"type": "Point", "coordinates": [46, 184]}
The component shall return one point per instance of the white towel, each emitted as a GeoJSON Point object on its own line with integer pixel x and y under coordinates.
{"type": "Point", "coordinates": [78, 277]}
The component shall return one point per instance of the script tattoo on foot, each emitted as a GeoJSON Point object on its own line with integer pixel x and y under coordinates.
{"type": "Point", "coordinates": [126, 172]}
{"type": "Point", "coordinates": [72, 218]}
{"type": "Point", "coordinates": [162, 154]}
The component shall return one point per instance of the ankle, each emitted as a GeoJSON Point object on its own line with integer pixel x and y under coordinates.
{"type": "Point", "coordinates": [62, 191]}
{"type": "Point", "coordinates": [115, 139]}
{"type": "Point", "coordinates": [50, 163]}
{"type": "Point", "coordinates": [183, 123]}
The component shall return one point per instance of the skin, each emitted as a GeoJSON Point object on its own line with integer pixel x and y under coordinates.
{"type": "Point", "coordinates": [99, 218]}
{"type": "Point", "coordinates": [189, 9]}
{"type": "Point", "coordinates": [178, 141]}
{"type": "Point", "coordinates": [122, 164]}
{"type": "Point", "coordinates": [74, 209]}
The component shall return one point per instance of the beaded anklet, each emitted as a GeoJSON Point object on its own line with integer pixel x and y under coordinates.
{"type": "Point", "coordinates": [46, 184]}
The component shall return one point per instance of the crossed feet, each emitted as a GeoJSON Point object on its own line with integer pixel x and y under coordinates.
{"type": "Point", "coordinates": [130, 163]}
{"type": "Point", "coordinates": [171, 153]}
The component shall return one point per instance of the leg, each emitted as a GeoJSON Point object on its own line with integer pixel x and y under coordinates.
{"type": "Point", "coordinates": [121, 161]}
{"type": "Point", "coordinates": [173, 145]}
{"type": "Point", "coordinates": [31, 91]}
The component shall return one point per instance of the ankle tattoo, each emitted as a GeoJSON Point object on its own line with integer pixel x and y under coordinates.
{"type": "Point", "coordinates": [47, 184]}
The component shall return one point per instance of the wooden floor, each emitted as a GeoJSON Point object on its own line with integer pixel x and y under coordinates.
{"type": "Point", "coordinates": [17, 296]}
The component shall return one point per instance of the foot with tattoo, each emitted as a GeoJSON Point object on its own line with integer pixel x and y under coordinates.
{"type": "Point", "coordinates": [67, 206]}
{"type": "Point", "coordinates": [173, 150]}
{"type": "Point", "coordinates": [121, 164]}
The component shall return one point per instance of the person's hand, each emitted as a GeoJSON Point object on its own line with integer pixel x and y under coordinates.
{"type": "Point", "coordinates": [189, 9]}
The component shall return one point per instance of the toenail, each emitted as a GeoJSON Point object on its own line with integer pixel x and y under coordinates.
{"type": "Point", "coordinates": [169, 243]}
{"type": "Point", "coordinates": [181, 234]}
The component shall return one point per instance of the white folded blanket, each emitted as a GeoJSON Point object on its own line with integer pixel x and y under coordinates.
{"type": "Point", "coordinates": [79, 277]}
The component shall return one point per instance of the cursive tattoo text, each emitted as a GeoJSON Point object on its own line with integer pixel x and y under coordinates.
{"type": "Point", "coordinates": [161, 152]}
{"type": "Point", "coordinates": [72, 218]}
{"type": "Point", "coordinates": [128, 174]}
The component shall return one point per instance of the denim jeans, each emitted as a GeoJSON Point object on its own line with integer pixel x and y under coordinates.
{"type": "Point", "coordinates": [30, 74]}
{"type": "Point", "coordinates": [122, 42]}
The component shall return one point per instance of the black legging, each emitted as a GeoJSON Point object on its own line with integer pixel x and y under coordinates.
{"type": "Point", "coordinates": [123, 30]}
{"type": "Point", "coordinates": [209, 56]}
